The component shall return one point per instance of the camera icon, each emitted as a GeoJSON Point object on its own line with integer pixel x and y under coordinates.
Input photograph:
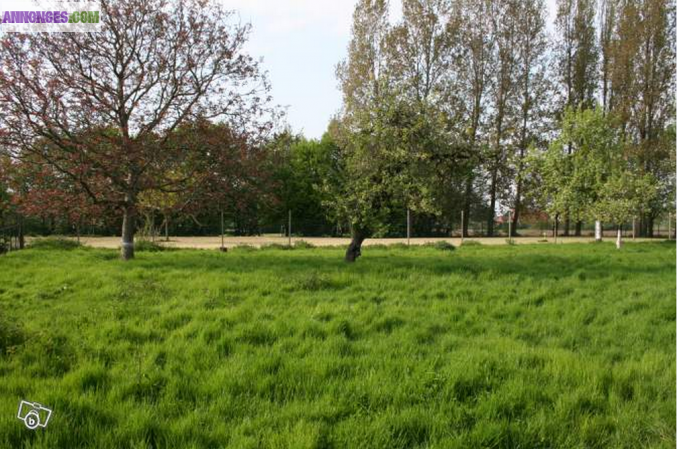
{"type": "Point", "coordinates": [33, 415]}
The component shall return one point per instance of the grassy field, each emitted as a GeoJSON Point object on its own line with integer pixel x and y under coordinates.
{"type": "Point", "coordinates": [530, 346]}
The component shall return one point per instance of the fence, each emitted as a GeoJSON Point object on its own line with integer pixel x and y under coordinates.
{"type": "Point", "coordinates": [11, 239]}
{"type": "Point", "coordinates": [401, 224]}
{"type": "Point", "coordinates": [411, 225]}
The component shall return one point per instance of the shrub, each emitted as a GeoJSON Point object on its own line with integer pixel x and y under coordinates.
{"type": "Point", "coordinates": [276, 246]}
{"type": "Point", "coordinates": [148, 246]}
{"type": "Point", "coordinates": [441, 245]}
{"type": "Point", "coordinates": [54, 243]}
{"type": "Point", "coordinates": [302, 244]}
{"type": "Point", "coordinates": [244, 248]}
{"type": "Point", "coordinates": [471, 243]}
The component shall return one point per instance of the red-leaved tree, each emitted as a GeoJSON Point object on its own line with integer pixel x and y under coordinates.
{"type": "Point", "coordinates": [100, 107]}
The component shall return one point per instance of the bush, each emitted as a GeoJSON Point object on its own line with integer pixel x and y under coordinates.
{"type": "Point", "coordinates": [54, 243]}
{"type": "Point", "coordinates": [441, 245]}
{"type": "Point", "coordinates": [148, 246]}
{"type": "Point", "coordinates": [302, 244]}
{"type": "Point", "coordinates": [276, 246]}
{"type": "Point", "coordinates": [244, 248]}
{"type": "Point", "coordinates": [471, 243]}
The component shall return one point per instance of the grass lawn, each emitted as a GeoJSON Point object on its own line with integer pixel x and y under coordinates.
{"type": "Point", "coordinates": [533, 346]}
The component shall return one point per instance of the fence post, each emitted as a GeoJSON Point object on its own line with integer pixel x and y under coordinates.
{"type": "Point", "coordinates": [669, 225]}
{"type": "Point", "coordinates": [408, 227]}
{"type": "Point", "coordinates": [462, 227]}
{"type": "Point", "coordinates": [510, 226]}
{"type": "Point", "coordinates": [634, 220]}
{"type": "Point", "coordinates": [289, 228]}
{"type": "Point", "coordinates": [222, 230]}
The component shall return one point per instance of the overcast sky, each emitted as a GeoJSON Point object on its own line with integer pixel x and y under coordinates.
{"type": "Point", "coordinates": [301, 41]}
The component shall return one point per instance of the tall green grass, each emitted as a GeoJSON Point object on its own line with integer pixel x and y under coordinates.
{"type": "Point", "coordinates": [569, 346]}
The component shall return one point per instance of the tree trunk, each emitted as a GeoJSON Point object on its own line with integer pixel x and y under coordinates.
{"type": "Point", "coordinates": [567, 225]}
{"type": "Point", "coordinates": [128, 229]}
{"type": "Point", "coordinates": [166, 228]}
{"type": "Point", "coordinates": [355, 248]}
{"type": "Point", "coordinates": [579, 228]}
{"type": "Point", "coordinates": [492, 204]}
{"type": "Point", "coordinates": [619, 238]}
{"type": "Point", "coordinates": [598, 231]}
{"type": "Point", "coordinates": [518, 207]}
{"type": "Point", "coordinates": [21, 238]}
{"type": "Point", "coordinates": [466, 206]}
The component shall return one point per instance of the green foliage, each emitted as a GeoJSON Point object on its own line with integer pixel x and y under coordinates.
{"type": "Point", "coordinates": [471, 243]}
{"type": "Point", "coordinates": [244, 248]}
{"type": "Point", "coordinates": [144, 245]}
{"type": "Point", "coordinates": [441, 245]}
{"type": "Point", "coordinates": [302, 244]}
{"type": "Point", "coordinates": [587, 172]}
{"type": "Point", "coordinates": [530, 346]}
{"type": "Point", "coordinates": [54, 243]}
{"type": "Point", "coordinates": [276, 247]}
{"type": "Point", "coordinates": [302, 168]}
{"type": "Point", "coordinates": [387, 152]}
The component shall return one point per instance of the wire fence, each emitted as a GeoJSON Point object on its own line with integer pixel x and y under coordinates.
{"type": "Point", "coordinates": [404, 224]}
{"type": "Point", "coordinates": [11, 239]}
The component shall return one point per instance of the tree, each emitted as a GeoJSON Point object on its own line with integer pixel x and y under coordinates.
{"type": "Point", "coordinates": [474, 37]}
{"type": "Point", "coordinates": [608, 19]}
{"type": "Point", "coordinates": [505, 20]}
{"type": "Point", "coordinates": [421, 50]}
{"type": "Point", "coordinates": [108, 101]}
{"type": "Point", "coordinates": [302, 167]}
{"type": "Point", "coordinates": [392, 134]}
{"type": "Point", "coordinates": [386, 154]}
{"type": "Point", "coordinates": [42, 192]}
{"type": "Point", "coordinates": [576, 57]}
{"type": "Point", "coordinates": [231, 178]}
{"type": "Point", "coordinates": [642, 87]}
{"type": "Point", "coordinates": [362, 77]}
{"type": "Point", "coordinates": [600, 179]}
{"type": "Point", "coordinates": [624, 194]}
{"type": "Point", "coordinates": [533, 89]}
{"type": "Point", "coordinates": [5, 192]}
{"type": "Point", "coordinates": [576, 52]}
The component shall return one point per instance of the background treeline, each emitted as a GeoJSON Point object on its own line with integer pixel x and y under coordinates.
{"type": "Point", "coordinates": [471, 108]}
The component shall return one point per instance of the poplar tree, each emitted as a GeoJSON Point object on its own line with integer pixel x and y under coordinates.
{"type": "Point", "coordinates": [533, 91]}
{"type": "Point", "coordinates": [576, 57]}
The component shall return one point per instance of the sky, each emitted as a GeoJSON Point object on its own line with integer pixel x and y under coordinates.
{"type": "Point", "coordinates": [301, 42]}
